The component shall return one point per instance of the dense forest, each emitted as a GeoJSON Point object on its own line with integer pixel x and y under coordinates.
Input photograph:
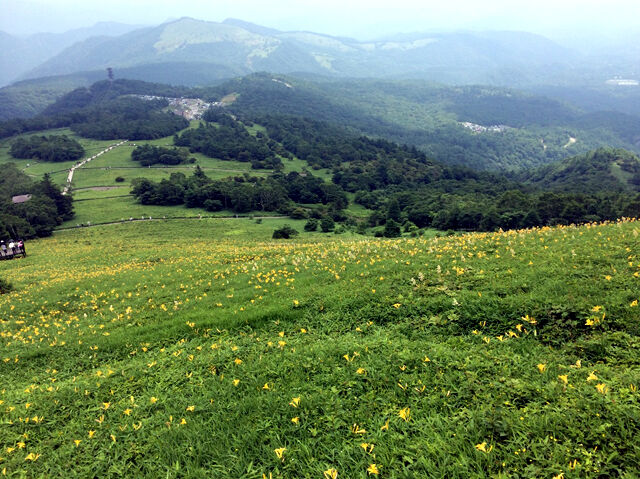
{"type": "Point", "coordinates": [402, 187]}
{"type": "Point", "coordinates": [537, 130]}
{"type": "Point", "coordinates": [53, 148]}
{"type": "Point", "coordinates": [46, 209]}
{"type": "Point", "coordinates": [148, 155]}
{"type": "Point", "coordinates": [240, 194]}
{"type": "Point", "coordinates": [604, 169]}
{"type": "Point", "coordinates": [429, 117]}
{"type": "Point", "coordinates": [228, 140]}
{"type": "Point", "coordinates": [101, 112]}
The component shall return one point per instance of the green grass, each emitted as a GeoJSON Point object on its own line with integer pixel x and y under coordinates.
{"type": "Point", "coordinates": [103, 210]}
{"type": "Point", "coordinates": [179, 349]}
{"type": "Point", "coordinates": [103, 171]}
{"type": "Point", "coordinates": [93, 193]}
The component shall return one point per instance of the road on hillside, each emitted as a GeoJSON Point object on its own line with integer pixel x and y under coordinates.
{"type": "Point", "coordinates": [174, 218]}
{"type": "Point", "coordinates": [73, 169]}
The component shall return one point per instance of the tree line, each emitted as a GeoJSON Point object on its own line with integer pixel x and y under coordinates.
{"type": "Point", "coordinates": [54, 148]}
{"type": "Point", "coordinates": [38, 216]}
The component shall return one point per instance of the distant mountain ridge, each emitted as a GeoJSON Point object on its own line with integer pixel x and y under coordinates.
{"type": "Point", "coordinates": [463, 57]}
{"type": "Point", "coordinates": [19, 54]}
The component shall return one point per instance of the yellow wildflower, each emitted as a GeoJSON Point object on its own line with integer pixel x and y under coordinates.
{"type": "Point", "coordinates": [373, 469]}
{"type": "Point", "coordinates": [330, 474]}
{"type": "Point", "coordinates": [405, 413]}
{"type": "Point", "coordinates": [542, 367]}
{"type": "Point", "coordinates": [280, 452]}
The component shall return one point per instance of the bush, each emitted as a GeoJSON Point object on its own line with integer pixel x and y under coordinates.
{"type": "Point", "coordinates": [311, 225]}
{"type": "Point", "coordinates": [285, 232]}
{"type": "Point", "coordinates": [5, 286]}
{"type": "Point", "coordinates": [327, 224]}
{"type": "Point", "coordinates": [391, 229]}
{"type": "Point", "coordinates": [119, 179]}
{"type": "Point", "coordinates": [298, 214]}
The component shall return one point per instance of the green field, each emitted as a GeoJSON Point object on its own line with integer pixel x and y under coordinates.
{"type": "Point", "coordinates": [206, 349]}
{"type": "Point", "coordinates": [89, 181]}
{"type": "Point", "coordinates": [36, 169]}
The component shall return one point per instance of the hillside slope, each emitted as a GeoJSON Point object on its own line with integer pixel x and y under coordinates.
{"type": "Point", "coordinates": [600, 170]}
{"type": "Point", "coordinates": [321, 356]}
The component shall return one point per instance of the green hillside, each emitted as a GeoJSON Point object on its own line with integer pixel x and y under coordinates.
{"type": "Point", "coordinates": [189, 349]}
{"type": "Point", "coordinates": [479, 127]}
{"type": "Point", "coordinates": [599, 170]}
{"type": "Point", "coordinates": [243, 160]}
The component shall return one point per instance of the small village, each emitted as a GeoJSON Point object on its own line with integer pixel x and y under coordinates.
{"type": "Point", "coordinates": [485, 129]}
{"type": "Point", "coordinates": [188, 108]}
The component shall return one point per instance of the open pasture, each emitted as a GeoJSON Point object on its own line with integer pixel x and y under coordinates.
{"type": "Point", "coordinates": [205, 349]}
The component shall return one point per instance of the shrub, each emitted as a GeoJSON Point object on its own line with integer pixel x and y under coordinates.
{"type": "Point", "coordinates": [285, 232]}
{"type": "Point", "coordinates": [119, 179]}
{"type": "Point", "coordinates": [298, 214]}
{"type": "Point", "coordinates": [391, 229]}
{"type": "Point", "coordinates": [327, 224]}
{"type": "Point", "coordinates": [311, 225]}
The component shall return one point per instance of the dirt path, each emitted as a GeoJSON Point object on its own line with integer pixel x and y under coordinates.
{"type": "Point", "coordinates": [175, 218]}
{"type": "Point", "coordinates": [73, 169]}
{"type": "Point", "coordinates": [572, 141]}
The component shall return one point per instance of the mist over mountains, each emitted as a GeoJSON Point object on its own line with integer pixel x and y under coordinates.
{"type": "Point", "coordinates": [194, 52]}
{"type": "Point", "coordinates": [19, 54]}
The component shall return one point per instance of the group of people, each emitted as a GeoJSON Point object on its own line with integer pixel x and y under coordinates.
{"type": "Point", "coordinates": [12, 249]}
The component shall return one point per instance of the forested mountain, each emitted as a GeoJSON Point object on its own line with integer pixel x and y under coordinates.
{"type": "Point", "coordinates": [104, 111]}
{"type": "Point", "coordinates": [476, 126]}
{"type": "Point", "coordinates": [513, 58]}
{"type": "Point", "coordinates": [480, 127]}
{"type": "Point", "coordinates": [601, 170]}
{"type": "Point", "coordinates": [339, 127]}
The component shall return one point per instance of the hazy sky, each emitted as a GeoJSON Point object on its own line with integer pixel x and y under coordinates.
{"type": "Point", "coordinates": [356, 18]}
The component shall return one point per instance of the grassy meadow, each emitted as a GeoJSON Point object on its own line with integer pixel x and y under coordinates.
{"type": "Point", "coordinates": [104, 199]}
{"type": "Point", "coordinates": [206, 349]}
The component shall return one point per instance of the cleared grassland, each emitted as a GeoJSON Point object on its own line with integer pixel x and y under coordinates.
{"type": "Point", "coordinates": [205, 349]}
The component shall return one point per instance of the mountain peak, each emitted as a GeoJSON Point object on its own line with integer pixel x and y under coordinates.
{"type": "Point", "coordinates": [251, 27]}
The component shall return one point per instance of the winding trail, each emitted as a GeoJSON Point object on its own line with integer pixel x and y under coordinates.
{"type": "Point", "coordinates": [73, 169]}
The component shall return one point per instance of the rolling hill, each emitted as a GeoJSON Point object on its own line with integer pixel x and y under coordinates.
{"type": "Point", "coordinates": [481, 127]}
